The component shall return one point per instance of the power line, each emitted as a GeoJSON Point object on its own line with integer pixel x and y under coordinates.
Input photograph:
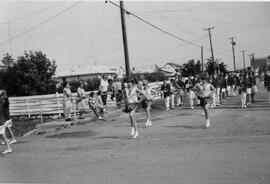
{"type": "Point", "coordinates": [204, 9]}
{"type": "Point", "coordinates": [95, 33]}
{"type": "Point", "coordinates": [32, 13]}
{"type": "Point", "coordinates": [108, 34]}
{"type": "Point", "coordinates": [40, 24]}
{"type": "Point", "coordinates": [166, 32]}
{"type": "Point", "coordinates": [213, 21]}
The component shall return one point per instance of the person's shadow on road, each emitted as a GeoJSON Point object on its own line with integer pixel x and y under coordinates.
{"type": "Point", "coordinates": [187, 126]}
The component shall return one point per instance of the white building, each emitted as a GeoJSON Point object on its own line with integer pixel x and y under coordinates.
{"type": "Point", "coordinates": [84, 73]}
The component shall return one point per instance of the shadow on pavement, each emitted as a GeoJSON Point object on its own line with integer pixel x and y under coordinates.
{"type": "Point", "coordinates": [187, 126]}
{"type": "Point", "coordinates": [80, 134]}
{"type": "Point", "coordinates": [114, 137]}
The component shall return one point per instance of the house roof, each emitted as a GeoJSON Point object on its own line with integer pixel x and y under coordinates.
{"type": "Point", "coordinates": [86, 70]}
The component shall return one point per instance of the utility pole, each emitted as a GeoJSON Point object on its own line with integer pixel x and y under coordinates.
{"type": "Point", "coordinates": [244, 62]}
{"type": "Point", "coordinates": [251, 57]}
{"type": "Point", "coordinates": [202, 59]}
{"type": "Point", "coordinates": [209, 32]}
{"type": "Point", "coordinates": [233, 44]}
{"type": "Point", "coordinates": [122, 10]}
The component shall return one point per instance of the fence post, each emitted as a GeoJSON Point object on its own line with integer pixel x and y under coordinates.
{"type": "Point", "coordinates": [40, 108]}
{"type": "Point", "coordinates": [58, 104]}
{"type": "Point", "coordinates": [27, 106]}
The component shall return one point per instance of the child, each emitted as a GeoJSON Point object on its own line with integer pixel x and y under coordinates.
{"type": "Point", "coordinates": [93, 104]}
{"type": "Point", "coordinates": [100, 105]}
{"type": "Point", "coordinates": [204, 91]}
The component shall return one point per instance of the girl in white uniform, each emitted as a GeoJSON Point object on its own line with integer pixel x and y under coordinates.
{"type": "Point", "coordinates": [204, 91]}
{"type": "Point", "coordinates": [132, 104]}
{"type": "Point", "coordinates": [147, 102]}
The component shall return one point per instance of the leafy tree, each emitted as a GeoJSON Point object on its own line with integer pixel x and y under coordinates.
{"type": "Point", "coordinates": [215, 67]}
{"type": "Point", "coordinates": [191, 68]}
{"type": "Point", "coordinates": [31, 74]}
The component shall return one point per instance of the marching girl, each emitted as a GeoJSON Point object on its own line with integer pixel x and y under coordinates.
{"type": "Point", "coordinates": [249, 86]}
{"type": "Point", "coordinates": [166, 92]}
{"type": "Point", "coordinates": [132, 104]}
{"type": "Point", "coordinates": [217, 82]}
{"type": "Point", "coordinates": [148, 101]}
{"type": "Point", "coordinates": [254, 88]}
{"type": "Point", "coordinates": [243, 90]}
{"type": "Point", "coordinates": [190, 83]}
{"type": "Point", "coordinates": [204, 91]}
{"type": "Point", "coordinates": [224, 85]}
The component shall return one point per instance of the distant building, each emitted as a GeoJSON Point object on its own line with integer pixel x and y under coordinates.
{"type": "Point", "coordinates": [260, 62]}
{"type": "Point", "coordinates": [170, 69]}
{"type": "Point", "coordinates": [84, 73]}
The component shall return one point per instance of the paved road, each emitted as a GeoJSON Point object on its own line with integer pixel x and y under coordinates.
{"type": "Point", "coordinates": [176, 149]}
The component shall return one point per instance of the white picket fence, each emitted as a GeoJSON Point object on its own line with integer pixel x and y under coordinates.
{"type": "Point", "coordinates": [52, 104]}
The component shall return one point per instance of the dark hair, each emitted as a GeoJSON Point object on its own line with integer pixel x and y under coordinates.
{"type": "Point", "coordinates": [99, 92]}
{"type": "Point", "coordinates": [133, 80]}
{"type": "Point", "coordinates": [91, 94]}
{"type": "Point", "coordinates": [64, 84]}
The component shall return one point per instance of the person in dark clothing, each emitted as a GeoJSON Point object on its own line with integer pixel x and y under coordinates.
{"type": "Point", "coordinates": [166, 92]}
{"type": "Point", "coordinates": [8, 118]}
{"type": "Point", "coordinates": [3, 123]}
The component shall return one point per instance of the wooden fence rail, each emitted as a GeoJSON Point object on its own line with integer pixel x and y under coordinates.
{"type": "Point", "coordinates": [52, 104]}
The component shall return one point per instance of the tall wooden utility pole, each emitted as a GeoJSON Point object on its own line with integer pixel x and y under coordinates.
{"type": "Point", "coordinates": [210, 38]}
{"type": "Point", "coordinates": [233, 44]}
{"type": "Point", "coordinates": [202, 58]}
{"type": "Point", "coordinates": [244, 62]}
{"type": "Point", "coordinates": [251, 57]}
{"type": "Point", "coordinates": [122, 10]}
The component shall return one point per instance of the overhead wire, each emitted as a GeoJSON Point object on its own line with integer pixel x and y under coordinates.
{"type": "Point", "coordinates": [95, 33]}
{"type": "Point", "coordinates": [204, 9]}
{"type": "Point", "coordinates": [160, 29]}
{"type": "Point", "coordinates": [32, 13]}
{"type": "Point", "coordinates": [212, 21]}
{"type": "Point", "coordinates": [108, 34]}
{"type": "Point", "coordinates": [40, 24]}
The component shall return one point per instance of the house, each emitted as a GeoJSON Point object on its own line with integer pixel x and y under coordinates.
{"type": "Point", "coordinates": [170, 69]}
{"type": "Point", "coordinates": [260, 62]}
{"type": "Point", "coordinates": [84, 73]}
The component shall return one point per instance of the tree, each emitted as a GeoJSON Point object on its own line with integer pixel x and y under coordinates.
{"type": "Point", "coordinates": [31, 74]}
{"type": "Point", "coordinates": [191, 68]}
{"type": "Point", "coordinates": [7, 62]}
{"type": "Point", "coordinates": [215, 67]}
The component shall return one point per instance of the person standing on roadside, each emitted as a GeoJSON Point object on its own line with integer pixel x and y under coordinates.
{"type": "Point", "coordinates": [3, 124]}
{"type": "Point", "coordinates": [81, 100]}
{"type": "Point", "coordinates": [67, 104]}
{"type": "Point", "coordinates": [8, 118]}
{"type": "Point", "coordinates": [103, 87]}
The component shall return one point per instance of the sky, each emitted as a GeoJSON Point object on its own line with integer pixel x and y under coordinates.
{"type": "Point", "coordinates": [80, 33]}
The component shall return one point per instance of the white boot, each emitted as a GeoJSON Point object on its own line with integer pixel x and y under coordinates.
{"type": "Point", "coordinates": [132, 132]}
{"type": "Point", "coordinates": [136, 134]}
{"type": "Point", "coordinates": [207, 123]}
{"type": "Point", "coordinates": [147, 123]}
